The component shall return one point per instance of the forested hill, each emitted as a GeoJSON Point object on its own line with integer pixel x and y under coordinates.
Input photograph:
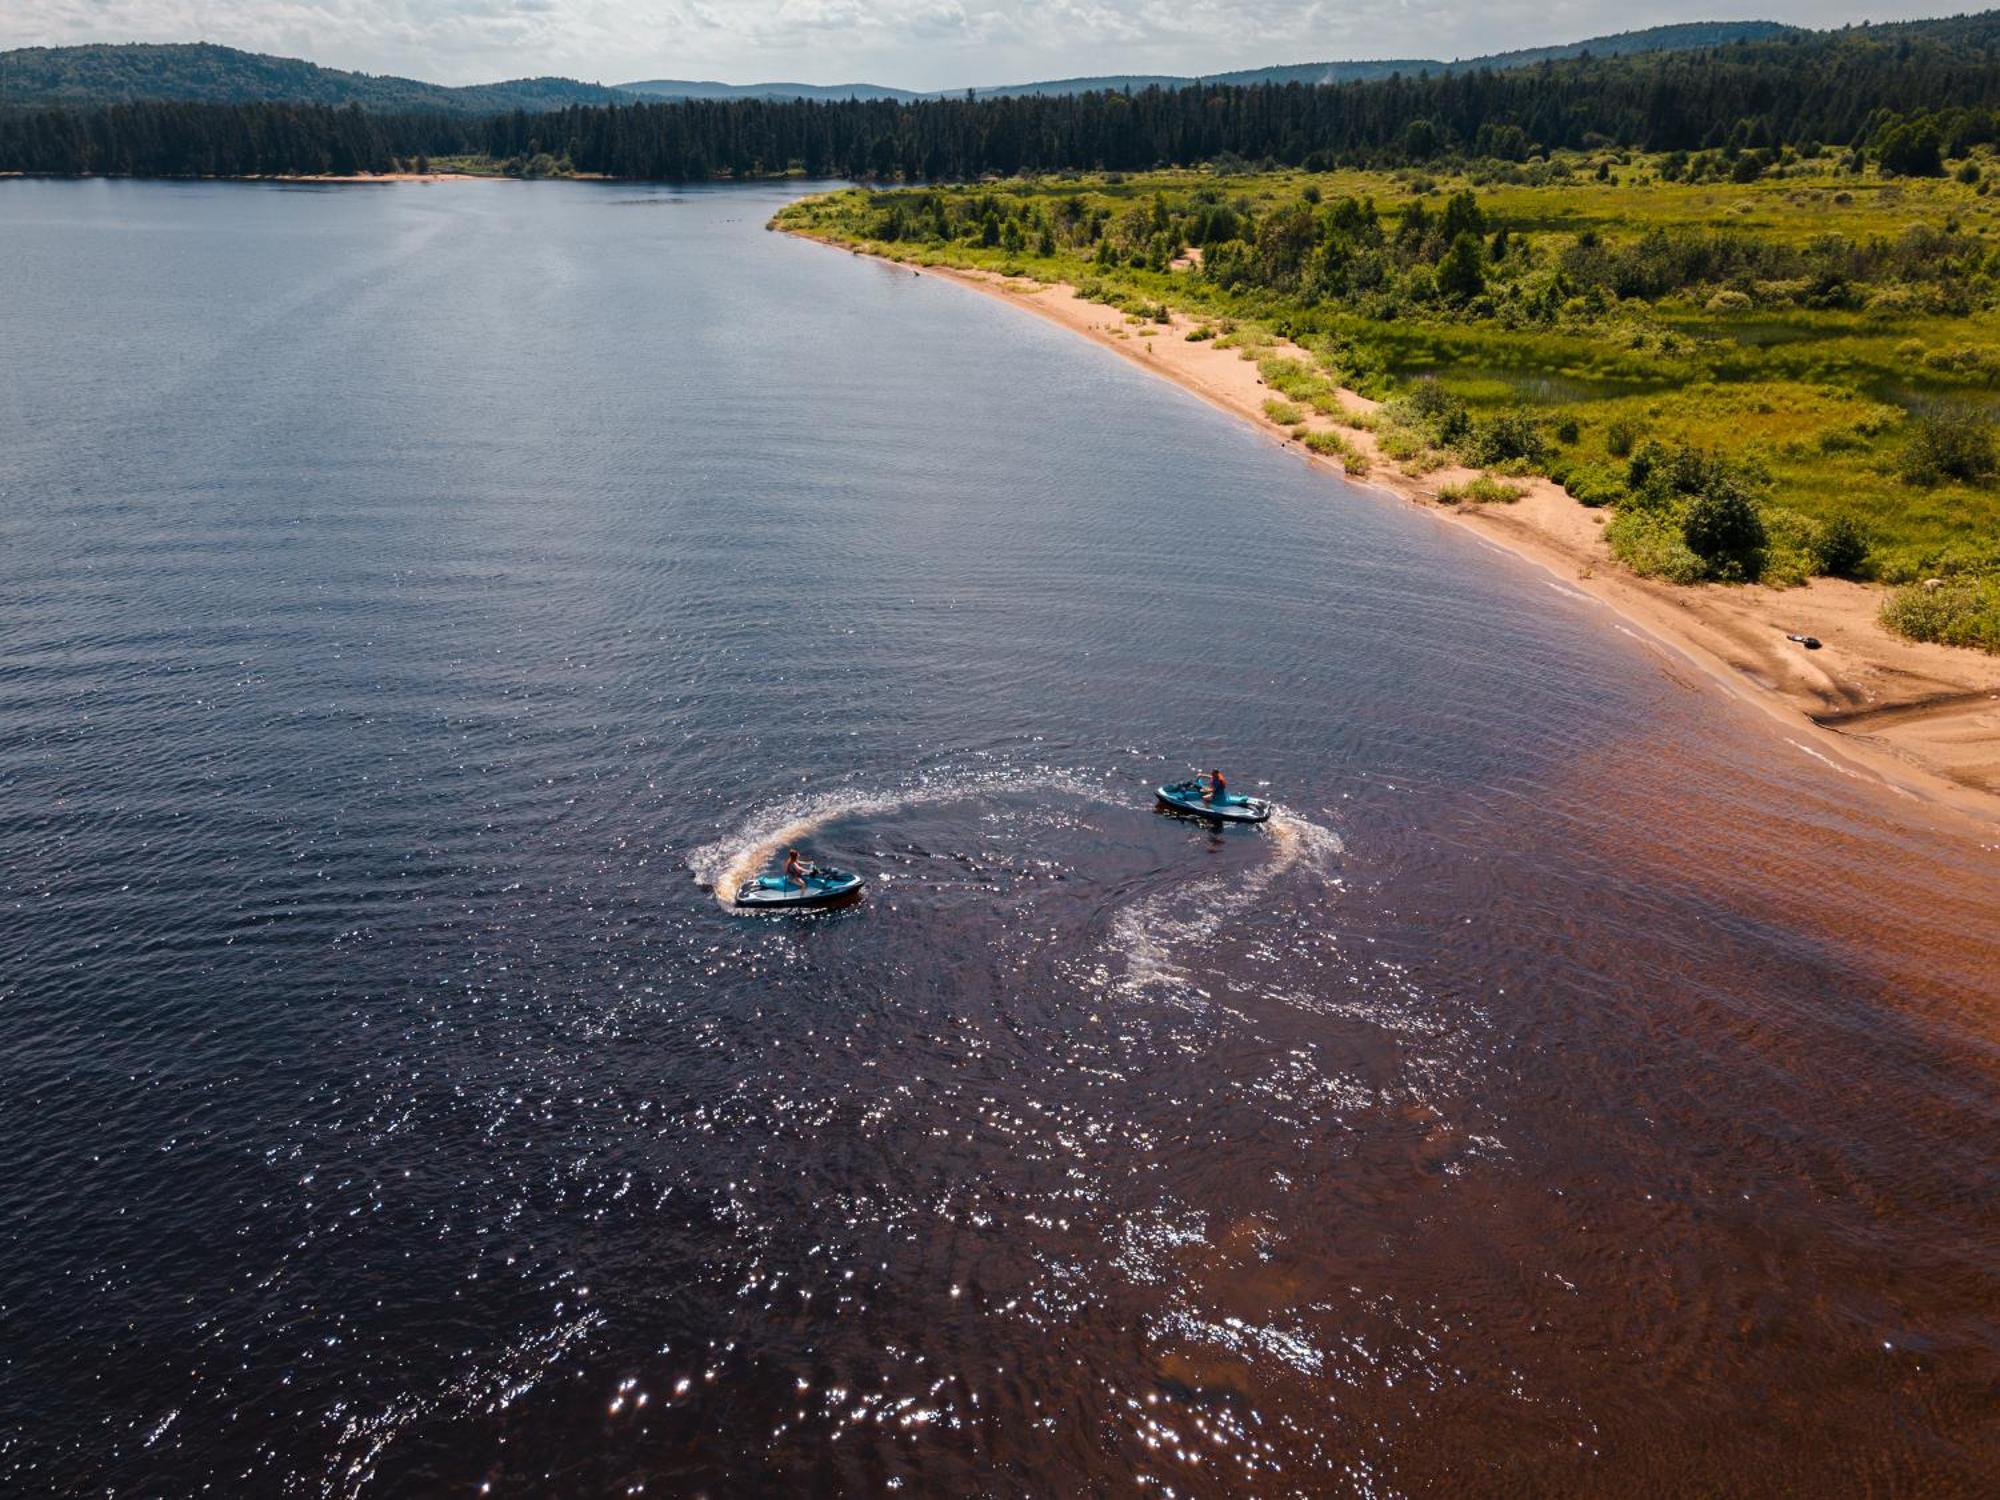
{"type": "Point", "coordinates": [204, 73]}
{"type": "Point", "coordinates": [1652, 39]}
{"type": "Point", "coordinates": [1903, 91]}
{"type": "Point", "coordinates": [1683, 37]}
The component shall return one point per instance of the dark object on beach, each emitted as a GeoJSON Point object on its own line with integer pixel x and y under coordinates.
{"type": "Point", "coordinates": [1810, 642]}
{"type": "Point", "coordinates": [821, 888]}
{"type": "Point", "coordinates": [1185, 797]}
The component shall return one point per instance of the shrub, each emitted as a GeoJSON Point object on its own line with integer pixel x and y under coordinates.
{"type": "Point", "coordinates": [1283, 412]}
{"type": "Point", "coordinates": [1509, 437]}
{"type": "Point", "coordinates": [1196, 335]}
{"type": "Point", "coordinates": [1566, 431]}
{"type": "Point", "coordinates": [1841, 548]}
{"type": "Point", "coordinates": [1952, 444]}
{"type": "Point", "coordinates": [1791, 548]}
{"type": "Point", "coordinates": [1619, 438]}
{"type": "Point", "coordinates": [1485, 490]}
{"type": "Point", "coordinates": [1962, 611]}
{"type": "Point", "coordinates": [1595, 484]}
{"type": "Point", "coordinates": [1911, 150]}
{"type": "Point", "coordinates": [1650, 543]}
{"type": "Point", "coordinates": [1657, 473]}
{"type": "Point", "coordinates": [1333, 445]}
{"type": "Point", "coordinates": [1723, 529]}
{"type": "Point", "coordinates": [1434, 412]}
{"type": "Point", "coordinates": [1401, 444]}
{"type": "Point", "coordinates": [1291, 377]}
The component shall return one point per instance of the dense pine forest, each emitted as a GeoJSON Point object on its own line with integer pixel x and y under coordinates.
{"type": "Point", "coordinates": [1807, 88]}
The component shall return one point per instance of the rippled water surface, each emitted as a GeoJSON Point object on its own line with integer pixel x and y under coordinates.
{"type": "Point", "coordinates": [414, 601]}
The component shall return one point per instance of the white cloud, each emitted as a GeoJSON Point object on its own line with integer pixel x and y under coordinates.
{"type": "Point", "coordinates": [913, 43]}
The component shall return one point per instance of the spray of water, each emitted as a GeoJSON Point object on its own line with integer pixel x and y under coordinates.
{"type": "Point", "coordinates": [1149, 932]}
{"type": "Point", "coordinates": [726, 864]}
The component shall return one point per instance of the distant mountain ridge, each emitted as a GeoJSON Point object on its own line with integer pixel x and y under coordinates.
{"type": "Point", "coordinates": [688, 88]}
{"type": "Point", "coordinates": [1684, 36]}
{"type": "Point", "coordinates": [204, 72]}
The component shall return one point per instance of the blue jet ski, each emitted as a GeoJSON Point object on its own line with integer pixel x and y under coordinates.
{"type": "Point", "coordinates": [823, 887]}
{"type": "Point", "coordinates": [1185, 797]}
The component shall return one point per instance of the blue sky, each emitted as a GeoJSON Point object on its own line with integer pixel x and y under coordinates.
{"type": "Point", "coordinates": [912, 43]}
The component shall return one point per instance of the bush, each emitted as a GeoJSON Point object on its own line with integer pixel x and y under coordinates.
{"type": "Point", "coordinates": [1911, 150]}
{"type": "Point", "coordinates": [1401, 444]}
{"type": "Point", "coordinates": [1485, 490]}
{"type": "Point", "coordinates": [1510, 437]}
{"type": "Point", "coordinates": [1294, 378]}
{"type": "Point", "coordinates": [1619, 438]}
{"type": "Point", "coordinates": [1566, 431]}
{"type": "Point", "coordinates": [1650, 543]}
{"type": "Point", "coordinates": [1434, 412]}
{"type": "Point", "coordinates": [1950, 445]}
{"type": "Point", "coordinates": [1334, 445]}
{"type": "Point", "coordinates": [1283, 412]}
{"type": "Point", "coordinates": [1595, 484]}
{"type": "Point", "coordinates": [1841, 548]}
{"type": "Point", "coordinates": [1723, 529]}
{"type": "Point", "coordinates": [1963, 611]}
{"type": "Point", "coordinates": [1657, 474]}
{"type": "Point", "coordinates": [1790, 543]}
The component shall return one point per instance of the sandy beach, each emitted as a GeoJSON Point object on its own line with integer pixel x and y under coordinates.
{"type": "Point", "coordinates": [365, 177]}
{"type": "Point", "coordinates": [1920, 718]}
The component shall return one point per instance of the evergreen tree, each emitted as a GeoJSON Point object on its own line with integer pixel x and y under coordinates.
{"type": "Point", "coordinates": [1461, 275]}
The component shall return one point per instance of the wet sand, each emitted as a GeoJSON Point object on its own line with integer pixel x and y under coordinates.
{"type": "Point", "coordinates": [1923, 719]}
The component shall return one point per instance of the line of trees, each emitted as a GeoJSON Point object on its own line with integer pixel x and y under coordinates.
{"type": "Point", "coordinates": [1813, 87]}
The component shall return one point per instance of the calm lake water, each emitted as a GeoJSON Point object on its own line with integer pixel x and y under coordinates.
{"type": "Point", "coordinates": [413, 599]}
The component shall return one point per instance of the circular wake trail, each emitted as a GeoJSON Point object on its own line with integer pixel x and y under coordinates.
{"type": "Point", "coordinates": [1148, 932]}
{"type": "Point", "coordinates": [726, 864]}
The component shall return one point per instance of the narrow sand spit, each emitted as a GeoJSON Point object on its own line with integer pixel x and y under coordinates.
{"type": "Point", "coordinates": [1923, 718]}
{"type": "Point", "coordinates": [366, 177]}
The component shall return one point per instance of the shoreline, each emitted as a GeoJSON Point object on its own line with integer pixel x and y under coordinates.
{"type": "Point", "coordinates": [1922, 720]}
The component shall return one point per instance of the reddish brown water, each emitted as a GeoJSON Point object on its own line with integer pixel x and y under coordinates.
{"type": "Point", "coordinates": [414, 596]}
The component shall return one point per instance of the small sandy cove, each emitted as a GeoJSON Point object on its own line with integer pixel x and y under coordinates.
{"type": "Point", "coordinates": [1925, 719]}
{"type": "Point", "coordinates": [367, 177]}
